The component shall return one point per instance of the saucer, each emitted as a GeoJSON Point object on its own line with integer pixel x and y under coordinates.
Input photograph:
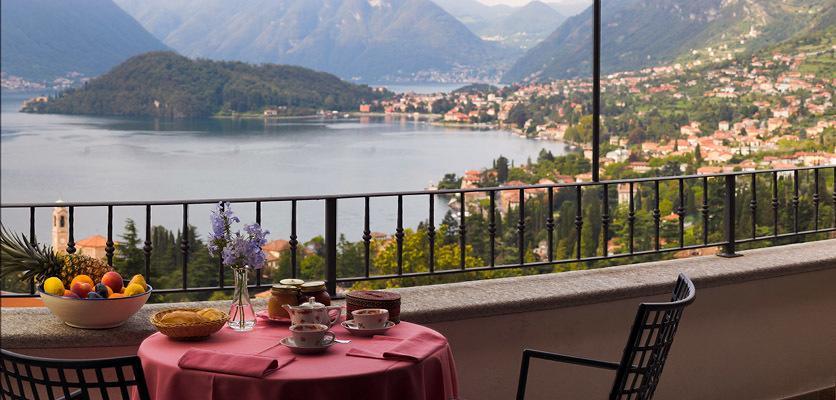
{"type": "Point", "coordinates": [288, 342]}
{"type": "Point", "coordinates": [280, 320]}
{"type": "Point", "coordinates": [354, 330]}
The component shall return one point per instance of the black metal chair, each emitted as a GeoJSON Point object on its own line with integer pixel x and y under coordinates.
{"type": "Point", "coordinates": [25, 378]}
{"type": "Point", "coordinates": [644, 356]}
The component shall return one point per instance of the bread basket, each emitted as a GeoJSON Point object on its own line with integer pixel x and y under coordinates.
{"type": "Point", "coordinates": [187, 331]}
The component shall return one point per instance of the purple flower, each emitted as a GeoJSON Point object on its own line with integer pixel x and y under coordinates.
{"type": "Point", "coordinates": [236, 250]}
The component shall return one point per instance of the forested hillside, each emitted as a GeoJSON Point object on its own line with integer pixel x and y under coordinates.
{"type": "Point", "coordinates": [164, 84]}
{"type": "Point", "coordinates": [642, 33]}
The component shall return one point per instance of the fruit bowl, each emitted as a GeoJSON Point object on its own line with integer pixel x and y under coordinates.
{"type": "Point", "coordinates": [94, 313]}
{"type": "Point", "coordinates": [187, 331]}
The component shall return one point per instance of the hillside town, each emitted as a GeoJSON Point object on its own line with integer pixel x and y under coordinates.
{"type": "Point", "coordinates": [778, 114]}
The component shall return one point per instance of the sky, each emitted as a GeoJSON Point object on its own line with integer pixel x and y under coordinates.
{"type": "Point", "coordinates": [517, 3]}
{"type": "Point", "coordinates": [508, 2]}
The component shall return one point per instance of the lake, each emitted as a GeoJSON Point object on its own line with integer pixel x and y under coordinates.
{"type": "Point", "coordinates": [79, 158]}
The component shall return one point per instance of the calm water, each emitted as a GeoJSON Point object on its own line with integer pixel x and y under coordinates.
{"type": "Point", "coordinates": [47, 157]}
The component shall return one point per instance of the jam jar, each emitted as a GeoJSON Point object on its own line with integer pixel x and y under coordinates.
{"type": "Point", "coordinates": [279, 296]}
{"type": "Point", "coordinates": [317, 290]}
{"type": "Point", "coordinates": [292, 282]}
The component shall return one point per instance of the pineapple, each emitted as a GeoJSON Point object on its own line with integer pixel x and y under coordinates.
{"type": "Point", "coordinates": [18, 255]}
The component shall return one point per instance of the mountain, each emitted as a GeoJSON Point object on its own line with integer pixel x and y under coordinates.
{"type": "Point", "coordinates": [569, 7]}
{"type": "Point", "coordinates": [165, 84]}
{"type": "Point", "coordinates": [362, 40]}
{"type": "Point", "coordinates": [525, 26]}
{"type": "Point", "coordinates": [642, 33]}
{"type": "Point", "coordinates": [47, 39]}
{"type": "Point", "coordinates": [474, 13]}
{"type": "Point", "coordinates": [514, 27]}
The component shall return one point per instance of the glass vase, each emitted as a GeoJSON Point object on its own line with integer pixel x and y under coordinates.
{"type": "Point", "coordinates": [241, 313]}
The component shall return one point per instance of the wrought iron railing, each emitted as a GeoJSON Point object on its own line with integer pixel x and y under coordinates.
{"type": "Point", "coordinates": [729, 185]}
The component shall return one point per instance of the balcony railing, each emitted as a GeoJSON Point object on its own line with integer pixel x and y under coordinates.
{"type": "Point", "coordinates": [732, 189]}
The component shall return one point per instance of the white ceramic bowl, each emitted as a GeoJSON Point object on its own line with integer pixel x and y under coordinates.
{"type": "Point", "coordinates": [94, 313]}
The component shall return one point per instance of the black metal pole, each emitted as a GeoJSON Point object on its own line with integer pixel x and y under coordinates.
{"type": "Point", "coordinates": [331, 245]}
{"type": "Point", "coordinates": [729, 219]}
{"type": "Point", "coordinates": [596, 88]}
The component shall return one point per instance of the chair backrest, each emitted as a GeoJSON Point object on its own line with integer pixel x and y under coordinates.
{"type": "Point", "coordinates": [25, 377]}
{"type": "Point", "coordinates": [649, 342]}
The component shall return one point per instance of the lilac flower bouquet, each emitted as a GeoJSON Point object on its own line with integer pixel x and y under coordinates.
{"type": "Point", "coordinates": [236, 250]}
{"type": "Point", "coordinates": [240, 252]}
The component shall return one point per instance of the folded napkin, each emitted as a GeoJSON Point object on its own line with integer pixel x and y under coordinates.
{"type": "Point", "coordinates": [414, 348]}
{"type": "Point", "coordinates": [233, 364]}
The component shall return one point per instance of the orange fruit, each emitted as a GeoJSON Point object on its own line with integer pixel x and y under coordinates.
{"type": "Point", "coordinates": [115, 296]}
{"type": "Point", "coordinates": [83, 279]}
{"type": "Point", "coordinates": [109, 291]}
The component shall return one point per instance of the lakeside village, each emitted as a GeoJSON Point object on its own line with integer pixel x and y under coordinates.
{"type": "Point", "coordinates": [768, 112]}
{"type": "Point", "coordinates": [771, 112]}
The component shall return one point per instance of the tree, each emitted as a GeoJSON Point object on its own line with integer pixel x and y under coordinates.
{"type": "Point", "coordinates": [697, 155]}
{"type": "Point", "coordinates": [450, 182]}
{"type": "Point", "coordinates": [129, 258]}
{"type": "Point", "coordinates": [545, 155]}
{"type": "Point", "coordinates": [449, 235]}
{"type": "Point", "coordinates": [518, 115]}
{"type": "Point", "coordinates": [501, 169]}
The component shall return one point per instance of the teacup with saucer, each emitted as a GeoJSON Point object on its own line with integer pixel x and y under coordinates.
{"type": "Point", "coordinates": [368, 322]}
{"type": "Point", "coordinates": [309, 338]}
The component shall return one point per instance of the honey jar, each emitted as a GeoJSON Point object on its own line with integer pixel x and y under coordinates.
{"type": "Point", "coordinates": [279, 296]}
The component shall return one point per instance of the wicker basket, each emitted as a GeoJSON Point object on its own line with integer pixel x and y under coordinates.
{"type": "Point", "coordinates": [361, 299]}
{"type": "Point", "coordinates": [192, 331]}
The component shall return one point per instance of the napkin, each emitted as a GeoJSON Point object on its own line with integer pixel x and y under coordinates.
{"type": "Point", "coordinates": [233, 364]}
{"type": "Point", "coordinates": [414, 348]}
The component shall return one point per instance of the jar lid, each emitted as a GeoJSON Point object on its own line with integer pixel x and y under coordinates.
{"type": "Point", "coordinates": [291, 282]}
{"type": "Point", "coordinates": [283, 289]}
{"type": "Point", "coordinates": [313, 286]}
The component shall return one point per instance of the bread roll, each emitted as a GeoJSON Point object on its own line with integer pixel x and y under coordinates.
{"type": "Point", "coordinates": [182, 317]}
{"type": "Point", "coordinates": [210, 314]}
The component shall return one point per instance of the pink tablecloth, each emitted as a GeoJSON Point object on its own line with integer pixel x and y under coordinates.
{"type": "Point", "coordinates": [331, 376]}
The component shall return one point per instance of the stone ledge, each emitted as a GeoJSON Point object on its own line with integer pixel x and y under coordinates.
{"type": "Point", "coordinates": [474, 299]}
{"type": "Point", "coordinates": [37, 328]}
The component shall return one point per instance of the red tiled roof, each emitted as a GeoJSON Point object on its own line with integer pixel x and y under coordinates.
{"type": "Point", "coordinates": [92, 241]}
{"type": "Point", "coordinates": [276, 245]}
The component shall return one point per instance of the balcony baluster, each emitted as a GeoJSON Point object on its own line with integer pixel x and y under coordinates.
{"type": "Point", "coordinates": [579, 218]}
{"type": "Point", "coordinates": [147, 248]}
{"type": "Point", "coordinates": [605, 219]}
{"type": "Point", "coordinates": [71, 240]}
{"type": "Point", "coordinates": [184, 246]}
{"type": "Point", "coordinates": [367, 238]}
{"type": "Point", "coordinates": [293, 242]}
{"type": "Point", "coordinates": [109, 244]}
{"type": "Point", "coordinates": [656, 216]}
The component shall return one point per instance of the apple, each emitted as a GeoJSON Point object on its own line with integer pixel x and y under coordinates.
{"type": "Point", "coordinates": [81, 289]}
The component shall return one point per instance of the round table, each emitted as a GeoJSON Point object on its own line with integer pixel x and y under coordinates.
{"type": "Point", "coordinates": [331, 375]}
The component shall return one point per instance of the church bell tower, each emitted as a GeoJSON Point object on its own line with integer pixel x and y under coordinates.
{"type": "Point", "coordinates": [60, 228]}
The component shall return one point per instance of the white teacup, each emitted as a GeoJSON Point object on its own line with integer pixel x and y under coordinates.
{"type": "Point", "coordinates": [370, 318]}
{"type": "Point", "coordinates": [311, 335]}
